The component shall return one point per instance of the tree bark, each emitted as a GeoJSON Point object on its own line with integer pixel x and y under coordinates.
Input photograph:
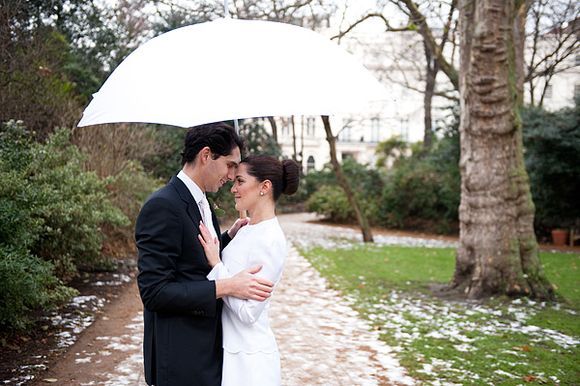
{"type": "Point", "coordinates": [420, 20]}
{"type": "Point", "coordinates": [498, 252]}
{"type": "Point", "coordinates": [274, 128]}
{"type": "Point", "coordinates": [295, 156]}
{"type": "Point", "coordinates": [343, 182]}
{"type": "Point", "coordinates": [431, 72]}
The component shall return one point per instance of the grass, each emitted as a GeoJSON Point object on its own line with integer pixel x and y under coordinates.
{"type": "Point", "coordinates": [500, 342]}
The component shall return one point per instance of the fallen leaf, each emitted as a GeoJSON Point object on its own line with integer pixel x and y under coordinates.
{"type": "Point", "coordinates": [50, 380]}
{"type": "Point", "coordinates": [530, 378]}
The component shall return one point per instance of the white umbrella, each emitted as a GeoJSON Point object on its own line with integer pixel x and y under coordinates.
{"type": "Point", "coordinates": [232, 69]}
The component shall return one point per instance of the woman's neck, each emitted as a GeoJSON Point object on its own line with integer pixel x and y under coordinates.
{"type": "Point", "coordinates": [262, 212]}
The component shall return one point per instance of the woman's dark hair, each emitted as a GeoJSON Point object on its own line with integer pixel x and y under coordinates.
{"type": "Point", "coordinates": [220, 137]}
{"type": "Point", "coordinates": [284, 175]}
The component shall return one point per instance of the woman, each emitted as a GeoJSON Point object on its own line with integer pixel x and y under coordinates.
{"type": "Point", "coordinates": [250, 352]}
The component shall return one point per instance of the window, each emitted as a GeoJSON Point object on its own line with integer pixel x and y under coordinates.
{"type": "Point", "coordinates": [310, 125]}
{"type": "Point", "coordinates": [345, 134]}
{"type": "Point", "coordinates": [310, 164]}
{"type": "Point", "coordinates": [375, 125]}
{"type": "Point", "coordinates": [285, 127]}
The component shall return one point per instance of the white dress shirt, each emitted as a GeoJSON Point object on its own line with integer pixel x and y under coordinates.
{"type": "Point", "coordinates": [199, 197]}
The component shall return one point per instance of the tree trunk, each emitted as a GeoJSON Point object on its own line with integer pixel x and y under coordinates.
{"type": "Point", "coordinates": [274, 128]}
{"type": "Point", "coordinates": [432, 69]}
{"type": "Point", "coordinates": [295, 156]}
{"type": "Point", "coordinates": [343, 182]}
{"type": "Point", "coordinates": [498, 252]}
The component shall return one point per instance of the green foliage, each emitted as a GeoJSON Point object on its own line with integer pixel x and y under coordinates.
{"type": "Point", "coordinates": [55, 54]}
{"type": "Point", "coordinates": [74, 205]}
{"type": "Point", "coordinates": [224, 200]}
{"type": "Point", "coordinates": [423, 191]}
{"type": "Point", "coordinates": [51, 213]}
{"type": "Point", "coordinates": [419, 191]}
{"type": "Point", "coordinates": [259, 141]}
{"type": "Point", "coordinates": [331, 202]}
{"type": "Point", "coordinates": [52, 207]}
{"type": "Point", "coordinates": [393, 148]}
{"type": "Point", "coordinates": [167, 161]}
{"type": "Point", "coordinates": [552, 156]}
{"type": "Point", "coordinates": [34, 77]}
{"type": "Point", "coordinates": [26, 283]}
{"type": "Point", "coordinates": [329, 199]}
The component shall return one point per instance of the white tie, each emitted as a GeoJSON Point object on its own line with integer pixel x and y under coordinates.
{"type": "Point", "coordinates": [206, 215]}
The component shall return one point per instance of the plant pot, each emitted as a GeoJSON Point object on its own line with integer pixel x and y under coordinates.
{"type": "Point", "coordinates": [559, 237]}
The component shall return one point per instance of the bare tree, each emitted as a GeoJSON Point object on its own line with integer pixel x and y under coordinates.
{"type": "Point", "coordinates": [442, 14]}
{"type": "Point", "coordinates": [344, 184]}
{"type": "Point", "coordinates": [498, 252]}
{"type": "Point", "coordinates": [274, 128]}
{"type": "Point", "coordinates": [552, 39]}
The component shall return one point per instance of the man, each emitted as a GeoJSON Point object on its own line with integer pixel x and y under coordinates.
{"type": "Point", "coordinates": [182, 309]}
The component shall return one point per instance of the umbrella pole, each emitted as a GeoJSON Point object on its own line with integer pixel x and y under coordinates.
{"type": "Point", "coordinates": [242, 213]}
{"type": "Point", "coordinates": [226, 10]}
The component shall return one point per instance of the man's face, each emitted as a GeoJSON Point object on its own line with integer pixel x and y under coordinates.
{"type": "Point", "coordinates": [221, 170]}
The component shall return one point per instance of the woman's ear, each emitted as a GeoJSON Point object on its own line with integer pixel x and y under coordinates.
{"type": "Point", "coordinates": [266, 186]}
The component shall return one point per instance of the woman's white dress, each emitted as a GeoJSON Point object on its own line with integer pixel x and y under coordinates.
{"type": "Point", "coordinates": [251, 355]}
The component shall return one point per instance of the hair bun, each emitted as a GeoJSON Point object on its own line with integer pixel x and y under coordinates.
{"type": "Point", "coordinates": [290, 176]}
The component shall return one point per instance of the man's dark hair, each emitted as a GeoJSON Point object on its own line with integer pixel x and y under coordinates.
{"type": "Point", "coordinates": [220, 137]}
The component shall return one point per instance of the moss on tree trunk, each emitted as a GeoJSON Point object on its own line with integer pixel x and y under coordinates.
{"type": "Point", "coordinates": [498, 252]}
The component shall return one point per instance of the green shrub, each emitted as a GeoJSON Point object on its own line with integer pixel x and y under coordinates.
{"type": "Point", "coordinates": [331, 202]}
{"type": "Point", "coordinates": [552, 156]}
{"type": "Point", "coordinates": [51, 214]}
{"type": "Point", "coordinates": [365, 182]}
{"type": "Point", "coordinates": [423, 191]}
{"type": "Point", "coordinates": [27, 283]}
{"type": "Point", "coordinates": [72, 204]}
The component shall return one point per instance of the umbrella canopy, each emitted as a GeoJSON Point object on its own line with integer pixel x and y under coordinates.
{"type": "Point", "coordinates": [232, 69]}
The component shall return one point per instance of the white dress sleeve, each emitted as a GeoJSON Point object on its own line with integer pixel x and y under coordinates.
{"type": "Point", "coordinates": [271, 257]}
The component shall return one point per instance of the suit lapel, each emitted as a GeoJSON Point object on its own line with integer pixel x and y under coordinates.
{"type": "Point", "coordinates": [192, 208]}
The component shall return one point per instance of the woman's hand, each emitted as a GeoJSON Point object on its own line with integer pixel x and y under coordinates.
{"type": "Point", "coordinates": [241, 222]}
{"type": "Point", "coordinates": [210, 245]}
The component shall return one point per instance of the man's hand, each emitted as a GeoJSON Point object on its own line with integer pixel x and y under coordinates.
{"type": "Point", "coordinates": [245, 285]}
{"type": "Point", "coordinates": [237, 225]}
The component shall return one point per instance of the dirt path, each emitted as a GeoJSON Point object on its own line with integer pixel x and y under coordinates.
{"type": "Point", "coordinates": [321, 339]}
{"type": "Point", "coordinates": [101, 354]}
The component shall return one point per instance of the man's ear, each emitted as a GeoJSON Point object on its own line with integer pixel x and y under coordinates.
{"type": "Point", "coordinates": [204, 155]}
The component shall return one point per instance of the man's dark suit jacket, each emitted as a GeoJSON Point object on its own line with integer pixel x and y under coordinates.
{"type": "Point", "coordinates": [183, 336]}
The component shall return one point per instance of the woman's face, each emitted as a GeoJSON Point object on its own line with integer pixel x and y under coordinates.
{"type": "Point", "coordinates": [246, 189]}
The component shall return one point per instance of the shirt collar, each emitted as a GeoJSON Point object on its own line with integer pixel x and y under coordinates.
{"type": "Point", "coordinates": [195, 191]}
